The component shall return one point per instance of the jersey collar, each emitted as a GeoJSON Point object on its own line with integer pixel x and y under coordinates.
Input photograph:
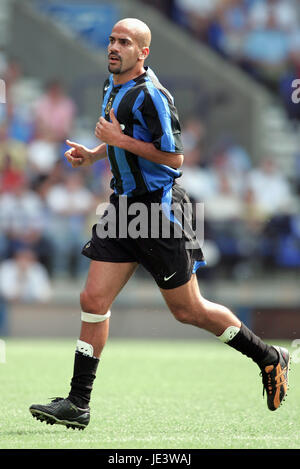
{"type": "Point", "coordinates": [130, 82]}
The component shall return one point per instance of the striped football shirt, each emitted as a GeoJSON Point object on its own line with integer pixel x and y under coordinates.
{"type": "Point", "coordinates": [145, 111]}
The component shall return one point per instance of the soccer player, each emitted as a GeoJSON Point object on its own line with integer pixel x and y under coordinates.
{"type": "Point", "coordinates": [140, 134]}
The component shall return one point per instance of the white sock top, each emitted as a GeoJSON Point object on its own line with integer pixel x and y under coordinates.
{"type": "Point", "coordinates": [85, 348]}
{"type": "Point", "coordinates": [229, 334]}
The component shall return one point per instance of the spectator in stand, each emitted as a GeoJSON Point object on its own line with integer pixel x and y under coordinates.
{"type": "Point", "coordinates": [54, 114]}
{"type": "Point", "coordinates": [10, 176]}
{"type": "Point", "coordinates": [16, 150]}
{"type": "Point", "coordinates": [198, 179]}
{"type": "Point", "coordinates": [225, 205]}
{"type": "Point", "coordinates": [24, 279]}
{"type": "Point", "coordinates": [42, 159]}
{"type": "Point", "coordinates": [12, 76]}
{"type": "Point", "coordinates": [3, 62]}
{"type": "Point", "coordinates": [23, 222]}
{"type": "Point", "coordinates": [193, 133]}
{"type": "Point", "coordinates": [265, 52]}
{"type": "Point", "coordinates": [20, 94]}
{"type": "Point", "coordinates": [284, 13]}
{"type": "Point", "coordinates": [70, 205]}
{"type": "Point", "coordinates": [229, 165]}
{"type": "Point", "coordinates": [228, 28]}
{"type": "Point", "coordinates": [237, 163]}
{"type": "Point", "coordinates": [271, 189]}
{"type": "Point", "coordinates": [195, 15]}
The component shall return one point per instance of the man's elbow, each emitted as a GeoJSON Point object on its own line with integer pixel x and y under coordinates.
{"type": "Point", "coordinates": [179, 161]}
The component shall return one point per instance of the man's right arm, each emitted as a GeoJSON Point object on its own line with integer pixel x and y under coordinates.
{"type": "Point", "coordinates": [78, 155]}
{"type": "Point", "coordinates": [99, 153]}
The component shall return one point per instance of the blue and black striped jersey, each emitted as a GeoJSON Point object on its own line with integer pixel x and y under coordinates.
{"type": "Point", "coordinates": [146, 111]}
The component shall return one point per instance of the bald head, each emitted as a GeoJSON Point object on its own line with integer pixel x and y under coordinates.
{"type": "Point", "coordinates": [128, 48]}
{"type": "Point", "coordinates": [137, 29]}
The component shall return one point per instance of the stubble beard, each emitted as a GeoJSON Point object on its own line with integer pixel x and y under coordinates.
{"type": "Point", "coordinates": [115, 71]}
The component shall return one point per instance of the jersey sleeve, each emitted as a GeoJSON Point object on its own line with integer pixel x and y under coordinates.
{"type": "Point", "coordinates": [161, 118]}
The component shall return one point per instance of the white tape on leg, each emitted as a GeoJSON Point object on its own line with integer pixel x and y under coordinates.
{"type": "Point", "coordinates": [90, 317]}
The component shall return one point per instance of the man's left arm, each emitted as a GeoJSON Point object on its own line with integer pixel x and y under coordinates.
{"type": "Point", "coordinates": [111, 133]}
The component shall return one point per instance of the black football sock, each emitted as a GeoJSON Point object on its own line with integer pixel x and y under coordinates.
{"type": "Point", "coordinates": [84, 373]}
{"type": "Point", "coordinates": [249, 344]}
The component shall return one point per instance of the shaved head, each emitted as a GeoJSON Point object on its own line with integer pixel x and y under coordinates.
{"type": "Point", "coordinates": [136, 28]}
{"type": "Point", "coordinates": [128, 48]}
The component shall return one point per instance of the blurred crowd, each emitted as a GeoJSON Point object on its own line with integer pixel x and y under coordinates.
{"type": "Point", "coordinates": [262, 37]}
{"type": "Point", "coordinates": [251, 212]}
{"type": "Point", "coordinates": [47, 208]}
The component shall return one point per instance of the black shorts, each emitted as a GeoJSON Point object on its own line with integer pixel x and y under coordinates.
{"type": "Point", "coordinates": [148, 231]}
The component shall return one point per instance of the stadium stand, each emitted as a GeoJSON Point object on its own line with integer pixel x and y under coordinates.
{"type": "Point", "coordinates": [241, 144]}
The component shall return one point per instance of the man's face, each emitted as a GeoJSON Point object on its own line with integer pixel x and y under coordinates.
{"type": "Point", "coordinates": [123, 51]}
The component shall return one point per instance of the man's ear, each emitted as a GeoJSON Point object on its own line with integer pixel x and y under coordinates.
{"type": "Point", "coordinates": [144, 53]}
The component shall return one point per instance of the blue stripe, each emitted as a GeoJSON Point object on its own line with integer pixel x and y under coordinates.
{"type": "Point", "coordinates": [135, 109]}
{"type": "Point", "coordinates": [156, 175]}
{"type": "Point", "coordinates": [166, 205]}
{"type": "Point", "coordinates": [104, 104]}
{"type": "Point", "coordinates": [198, 264]}
{"type": "Point", "coordinates": [162, 106]}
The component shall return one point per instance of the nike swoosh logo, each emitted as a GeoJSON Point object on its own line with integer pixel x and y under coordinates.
{"type": "Point", "coordinates": [168, 278]}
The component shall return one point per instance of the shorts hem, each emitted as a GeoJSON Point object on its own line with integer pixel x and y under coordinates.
{"type": "Point", "coordinates": [108, 259]}
{"type": "Point", "coordinates": [178, 284]}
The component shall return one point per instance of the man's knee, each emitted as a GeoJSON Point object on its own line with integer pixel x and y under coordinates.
{"type": "Point", "coordinates": [182, 315]}
{"type": "Point", "coordinates": [93, 303]}
{"type": "Point", "coordinates": [190, 314]}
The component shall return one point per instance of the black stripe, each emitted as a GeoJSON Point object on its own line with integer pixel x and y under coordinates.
{"type": "Point", "coordinates": [176, 129]}
{"type": "Point", "coordinates": [105, 86]}
{"type": "Point", "coordinates": [133, 163]}
{"type": "Point", "coordinates": [116, 182]}
{"type": "Point", "coordinates": [175, 125]}
{"type": "Point", "coordinates": [152, 119]}
{"type": "Point", "coordinates": [159, 86]}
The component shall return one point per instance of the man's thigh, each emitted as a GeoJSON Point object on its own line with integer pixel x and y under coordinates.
{"type": "Point", "coordinates": [106, 279]}
{"type": "Point", "coordinates": [184, 297]}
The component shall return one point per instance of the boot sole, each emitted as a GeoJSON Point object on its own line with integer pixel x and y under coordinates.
{"type": "Point", "coordinates": [51, 420]}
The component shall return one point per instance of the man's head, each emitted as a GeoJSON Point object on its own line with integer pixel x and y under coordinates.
{"type": "Point", "coordinates": [128, 47]}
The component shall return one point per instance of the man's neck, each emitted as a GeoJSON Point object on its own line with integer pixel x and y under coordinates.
{"type": "Point", "coordinates": [120, 79]}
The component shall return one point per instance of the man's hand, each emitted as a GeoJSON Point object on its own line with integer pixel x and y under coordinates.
{"type": "Point", "coordinates": [109, 132]}
{"type": "Point", "coordinates": [78, 155]}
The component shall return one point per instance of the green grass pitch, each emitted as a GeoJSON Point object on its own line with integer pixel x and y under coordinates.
{"type": "Point", "coordinates": [148, 394]}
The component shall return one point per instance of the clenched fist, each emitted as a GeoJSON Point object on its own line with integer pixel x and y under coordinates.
{"type": "Point", "coordinates": [109, 132]}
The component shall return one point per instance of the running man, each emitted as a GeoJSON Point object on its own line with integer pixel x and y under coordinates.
{"type": "Point", "coordinates": [140, 134]}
